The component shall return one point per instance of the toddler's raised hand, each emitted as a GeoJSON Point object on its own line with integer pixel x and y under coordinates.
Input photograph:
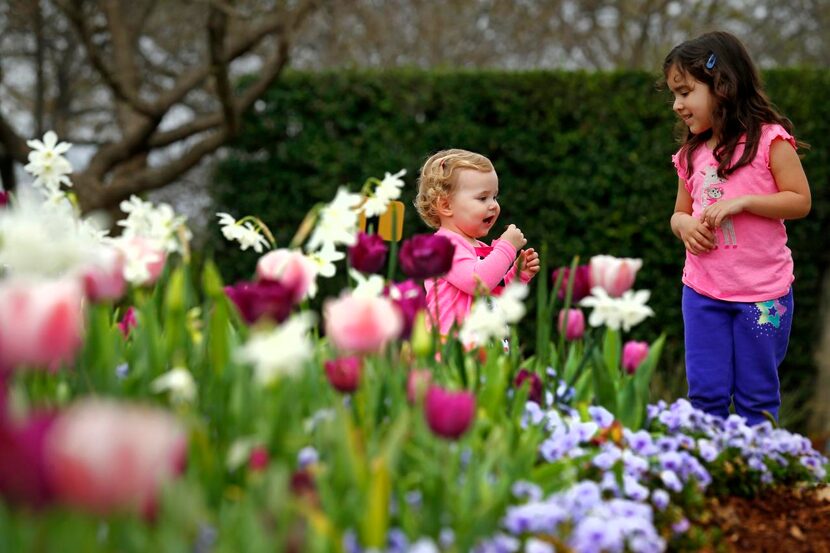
{"type": "Point", "coordinates": [514, 235]}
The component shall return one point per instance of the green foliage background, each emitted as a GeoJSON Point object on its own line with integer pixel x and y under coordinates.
{"type": "Point", "coordinates": [583, 162]}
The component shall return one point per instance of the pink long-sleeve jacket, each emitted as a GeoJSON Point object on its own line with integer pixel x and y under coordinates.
{"type": "Point", "coordinates": [450, 297]}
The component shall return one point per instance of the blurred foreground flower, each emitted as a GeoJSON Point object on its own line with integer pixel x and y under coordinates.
{"type": "Point", "coordinates": [145, 259]}
{"type": "Point", "coordinates": [449, 414]}
{"type": "Point", "coordinates": [426, 255]}
{"type": "Point", "coordinates": [633, 354]}
{"type": "Point", "coordinates": [128, 321]}
{"type": "Point", "coordinates": [281, 351]}
{"type": "Point", "coordinates": [410, 298]}
{"type": "Point", "coordinates": [104, 277]}
{"type": "Point", "coordinates": [263, 298]}
{"type": "Point", "coordinates": [23, 475]}
{"type": "Point", "coordinates": [614, 275]}
{"type": "Point", "coordinates": [418, 382]}
{"type": "Point", "coordinates": [4, 198]}
{"type": "Point", "coordinates": [361, 324]}
{"type": "Point", "coordinates": [536, 389]}
{"type": "Point", "coordinates": [105, 456]}
{"type": "Point", "coordinates": [178, 382]}
{"type": "Point", "coordinates": [292, 269]}
{"type": "Point", "coordinates": [344, 373]}
{"type": "Point", "coordinates": [41, 323]}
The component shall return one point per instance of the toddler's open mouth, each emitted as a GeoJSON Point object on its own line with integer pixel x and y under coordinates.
{"type": "Point", "coordinates": [488, 220]}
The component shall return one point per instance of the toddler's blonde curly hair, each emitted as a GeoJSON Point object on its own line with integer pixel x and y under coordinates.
{"type": "Point", "coordinates": [438, 180]}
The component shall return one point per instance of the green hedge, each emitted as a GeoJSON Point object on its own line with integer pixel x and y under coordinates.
{"type": "Point", "coordinates": [583, 162]}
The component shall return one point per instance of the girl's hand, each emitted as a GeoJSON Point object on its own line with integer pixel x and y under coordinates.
{"type": "Point", "coordinates": [697, 236]}
{"type": "Point", "coordinates": [514, 235]}
{"type": "Point", "coordinates": [530, 263]}
{"type": "Point", "coordinates": [714, 214]}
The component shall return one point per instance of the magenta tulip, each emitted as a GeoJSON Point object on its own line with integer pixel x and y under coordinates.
{"type": "Point", "coordinates": [23, 476]}
{"type": "Point", "coordinates": [128, 321]}
{"type": "Point", "coordinates": [41, 323]}
{"type": "Point", "coordinates": [581, 282]}
{"type": "Point", "coordinates": [634, 353]}
{"type": "Point", "coordinates": [4, 198]}
{"type": "Point", "coordinates": [574, 327]}
{"type": "Point", "coordinates": [104, 456]}
{"type": "Point", "coordinates": [263, 298]}
{"type": "Point", "coordinates": [426, 255]}
{"type": "Point", "coordinates": [368, 255]}
{"type": "Point", "coordinates": [361, 324]}
{"type": "Point", "coordinates": [344, 373]}
{"type": "Point", "coordinates": [258, 460]}
{"type": "Point", "coordinates": [409, 297]}
{"type": "Point", "coordinates": [536, 390]}
{"type": "Point", "coordinates": [614, 275]}
{"type": "Point", "coordinates": [449, 414]}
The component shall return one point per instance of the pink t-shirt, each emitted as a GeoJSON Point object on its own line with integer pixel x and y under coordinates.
{"type": "Point", "coordinates": [751, 261]}
{"type": "Point", "coordinates": [451, 296]}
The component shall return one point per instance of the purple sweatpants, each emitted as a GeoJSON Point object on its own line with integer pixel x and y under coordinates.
{"type": "Point", "coordinates": [733, 350]}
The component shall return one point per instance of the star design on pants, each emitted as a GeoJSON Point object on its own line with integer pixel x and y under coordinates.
{"type": "Point", "coordinates": [771, 312]}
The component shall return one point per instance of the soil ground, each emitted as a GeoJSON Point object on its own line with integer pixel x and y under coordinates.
{"type": "Point", "coordinates": [782, 520]}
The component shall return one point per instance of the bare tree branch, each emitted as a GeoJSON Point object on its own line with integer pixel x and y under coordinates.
{"type": "Point", "coordinates": [217, 30]}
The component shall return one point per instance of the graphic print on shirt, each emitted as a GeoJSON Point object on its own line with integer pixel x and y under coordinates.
{"type": "Point", "coordinates": [481, 253]}
{"type": "Point", "coordinates": [713, 191]}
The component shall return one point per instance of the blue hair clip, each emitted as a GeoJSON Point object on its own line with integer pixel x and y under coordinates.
{"type": "Point", "coordinates": [710, 63]}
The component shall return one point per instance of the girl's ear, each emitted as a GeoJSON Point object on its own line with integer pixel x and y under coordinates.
{"type": "Point", "coordinates": [443, 205]}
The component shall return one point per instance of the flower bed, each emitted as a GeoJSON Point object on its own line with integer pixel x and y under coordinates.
{"type": "Point", "coordinates": [144, 405]}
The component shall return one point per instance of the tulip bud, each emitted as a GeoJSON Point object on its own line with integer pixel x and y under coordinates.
{"type": "Point", "coordinates": [581, 286]}
{"type": "Point", "coordinates": [449, 414]}
{"type": "Point", "coordinates": [574, 327]}
{"type": "Point", "coordinates": [417, 383]}
{"type": "Point", "coordinates": [634, 353]}
{"type": "Point", "coordinates": [344, 373]}
{"type": "Point", "coordinates": [421, 336]}
{"type": "Point", "coordinates": [426, 255]}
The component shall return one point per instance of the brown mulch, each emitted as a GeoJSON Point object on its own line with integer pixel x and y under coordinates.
{"type": "Point", "coordinates": [782, 520]}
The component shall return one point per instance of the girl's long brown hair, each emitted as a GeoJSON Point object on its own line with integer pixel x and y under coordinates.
{"type": "Point", "coordinates": [741, 106]}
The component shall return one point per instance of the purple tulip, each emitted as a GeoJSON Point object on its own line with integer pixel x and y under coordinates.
{"type": "Point", "coordinates": [263, 298]}
{"type": "Point", "coordinates": [449, 414]}
{"type": "Point", "coordinates": [426, 255]}
{"type": "Point", "coordinates": [4, 198]}
{"type": "Point", "coordinates": [344, 373]}
{"type": "Point", "coordinates": [634, 353]}
{"type": "Point", "coordinates": [368, 255]}
{"type": "Point", "coordinates": [581, 282]}
{"type": "Point", "coordinates": [23, 474]}
{"type": "Point", "coordinates": [574, 327]}
{"type": "Point", "coordinates": [409, 297]}
{"type": "Point", "coordinates": [128, 321]}
{"type": "Point", "coordinates": [536, 390]}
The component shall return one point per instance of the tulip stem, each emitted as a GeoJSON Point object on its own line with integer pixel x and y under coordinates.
{"type": "Point", "coordinates": [393, 247]}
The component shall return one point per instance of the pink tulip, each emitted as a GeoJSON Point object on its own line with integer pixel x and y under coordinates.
{"type": "Point", "coordinates": [417, 383]}
{"type": "Point", "coordinates": [449, 414]}
{"type": "Point", "coordinates": [574, 328]}
{"type": "Point", "coordinates": [128, 321]}
{"type": "Point", "coordinates": [291, 268]}
{"type": "Point", "coordinates": [358, 324]}
{"type": "Point", "coordinates": [41, 323]}
{"type": "Point", "coordinates": [23, 476]}
{"type": "Point", "coordinates": [344, 373]}
{"type": "Point", "coordinates": [614, 275]}
{"type": "Point", "coordinates": [536, 390]}
{"type": "Point", "coordinates": [145, 259]}
{"type": "Point", "coordinates": [104, 456]}
{"type": "Point", "coordinates": [104, 279]}
{"type": "Point", "coordinates": [634, 353]}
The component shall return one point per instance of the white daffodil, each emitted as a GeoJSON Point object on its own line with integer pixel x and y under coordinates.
{"type": "Point", "coordinates": [337, 222]}
{"type": "Point", "coordinates": [158, 223]}
{"type": "Point", "coordinates": [243, 232]}
{"type": "Point", "coordinates": [47, 164]}
{"type": "Point", "coordinates": [624, 312]}
{"type": "Point", "coordinates": [281, 351]}
{"type": "Point", "coordinates": [483, 323]}
{"type": "Point", "coordinates": [511, 302]}
{"type": "Point", "coordinates": [367, 286]}
{"type": "Point", "coordinates": [324, 259]}
{"type": "Point", "coordinates": [178, 382]}
{"type": "Point", "coordinates": [43, 237]}
{"type": "Point", "coordinates": [386, 190]}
